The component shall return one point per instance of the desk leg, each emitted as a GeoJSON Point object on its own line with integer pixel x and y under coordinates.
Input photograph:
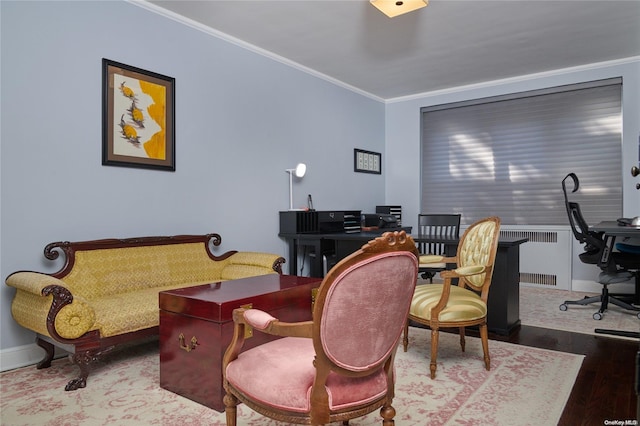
{"type": "Point", "coordinates": [503, 315]}
{"type": "Point", "coordinates": [293, 256]}
{"type": "Point", "coordinates": [317, 263]}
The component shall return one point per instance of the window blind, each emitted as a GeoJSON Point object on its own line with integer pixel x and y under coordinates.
{"type": "Point", "coordinates": [507, 155]}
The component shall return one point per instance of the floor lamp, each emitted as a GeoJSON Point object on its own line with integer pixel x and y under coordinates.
{"type": "Point", "coordinates": [299, 171]}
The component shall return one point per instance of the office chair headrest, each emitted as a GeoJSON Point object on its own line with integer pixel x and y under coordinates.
{"type": "Point", "coordinates": [576, 184]}
{"type": "Point", "coordinates": [593, 240]}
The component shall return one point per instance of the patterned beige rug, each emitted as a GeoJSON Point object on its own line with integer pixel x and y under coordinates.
{"type": "Point", "coordinates": [540, 307]}
{"type": "Point", "coordinates": [526, 386]}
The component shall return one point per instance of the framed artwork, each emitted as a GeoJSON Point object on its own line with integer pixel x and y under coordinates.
{"type": "Point", "coordinates": [367, 161]}
{"type": "Point", "coordinates": [138, 118]}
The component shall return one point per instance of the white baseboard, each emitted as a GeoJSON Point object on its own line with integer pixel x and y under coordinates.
{"type": "Point", "coordinates": [22, 356]}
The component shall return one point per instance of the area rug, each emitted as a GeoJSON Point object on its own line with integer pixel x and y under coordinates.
{"type": "Point", "coordinates": [526, 386]}
{"type": "Point", "coordinates": [540, 307]}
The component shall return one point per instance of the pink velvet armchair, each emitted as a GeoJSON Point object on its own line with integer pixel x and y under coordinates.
{"type": "Point", "coordinates": [338, 366]}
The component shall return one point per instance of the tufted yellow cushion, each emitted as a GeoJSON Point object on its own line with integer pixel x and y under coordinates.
{"type": "Point", "coordinates": [475, 249]}
{"type": "Point", "coordinates": [463, 304]}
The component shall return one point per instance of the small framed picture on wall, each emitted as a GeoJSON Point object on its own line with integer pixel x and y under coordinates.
{"type": "Point", "coordinates": [367, 161]}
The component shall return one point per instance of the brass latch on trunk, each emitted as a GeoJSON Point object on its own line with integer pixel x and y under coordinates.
{"type": "Point", "coordinates": [192, 344]}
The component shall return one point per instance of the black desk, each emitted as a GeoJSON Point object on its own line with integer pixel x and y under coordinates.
{"type": "Point", "coordinates": [504, 297]}
{"type": "Point", "coordinates": [340, 244]}
{"type": "Point", "coordinates": [612, 230]}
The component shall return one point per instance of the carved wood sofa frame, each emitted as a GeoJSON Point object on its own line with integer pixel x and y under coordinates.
{"type": "Point", "coordinates": [88, 348]}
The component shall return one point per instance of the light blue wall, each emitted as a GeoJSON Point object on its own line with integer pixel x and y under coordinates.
{"type": "Point", "coordinates": [241, 120]}
{"type": "Point", "coordinates": [403, 128]}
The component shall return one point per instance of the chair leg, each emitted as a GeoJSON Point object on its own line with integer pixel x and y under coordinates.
{"type": "Point", "coordinates": [434, 352]}
{"type": "Point", "coordinates": [484, 336]}
{"type": "Point", "coordinates": [388, 413]}
{"type": "Point", "coordinates": [405, 336]}
{"type": "Point", "coordinates": [462, 342]}
{"type": "Point", "coordinates": [585, 301]}
{"type": "Point", "coordinates": [50, 352]}
{"type": "Point", "coordinates": [622, 304]}
{"type": "Point", "coordinates": [604, 305]}
{"type": "Point", "coordinates": [231, 409]}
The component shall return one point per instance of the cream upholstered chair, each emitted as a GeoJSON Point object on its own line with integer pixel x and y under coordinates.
{"type": "Point", "coordinates": [457, 306]}
{"type": "Point", "coordinates": [339, 365]}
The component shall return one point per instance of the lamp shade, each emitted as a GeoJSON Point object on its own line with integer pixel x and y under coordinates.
{"type": "Point", "coordinates": [300, 170]}
{"type": "Point", "coordinates": [393, 8]}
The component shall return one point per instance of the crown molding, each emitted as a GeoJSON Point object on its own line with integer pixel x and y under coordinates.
{"type": "Point", "coordinates": [518, 79]}
{"type": "Point", "coordinates": [248, 46]}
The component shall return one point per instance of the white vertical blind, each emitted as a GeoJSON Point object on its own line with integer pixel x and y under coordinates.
{"type": "Point", "coordinates": [507, 155]}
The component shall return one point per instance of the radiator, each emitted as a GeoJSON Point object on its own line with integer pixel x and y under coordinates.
{"type": "Point", "coordinates": [545, 260]}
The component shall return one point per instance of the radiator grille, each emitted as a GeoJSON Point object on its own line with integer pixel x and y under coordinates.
{"type": "Point", "coordinates": [545, 259]}
{"type": "Point", "coordinates": [546, 280]}
{"type": "Point", "coordinates": [533, 236]}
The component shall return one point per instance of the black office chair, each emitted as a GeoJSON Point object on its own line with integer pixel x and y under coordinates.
{"type": "Point", "coordinates": [440, 226]}
{"type": "Point", "coordinates": [620, 267]}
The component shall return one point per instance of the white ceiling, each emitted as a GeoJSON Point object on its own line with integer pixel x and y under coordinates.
{"type": "Point", "coordinates": [449, 43]}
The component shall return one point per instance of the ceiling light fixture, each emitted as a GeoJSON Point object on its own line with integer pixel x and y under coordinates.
{"type": "Point", "coordinates": [393, 8]}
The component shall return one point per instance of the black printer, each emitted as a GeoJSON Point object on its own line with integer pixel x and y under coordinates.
{"type": "Point", "coordinates": [381, 220]}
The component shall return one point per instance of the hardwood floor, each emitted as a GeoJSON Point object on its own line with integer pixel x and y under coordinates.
{"type": "Point", "coordinates": [605, 386]}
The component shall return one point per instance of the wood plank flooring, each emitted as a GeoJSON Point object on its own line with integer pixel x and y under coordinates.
{"type": "Point", "coordinates": [605, 386]}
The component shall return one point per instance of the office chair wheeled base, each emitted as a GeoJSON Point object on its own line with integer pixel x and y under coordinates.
{"type": "Point", "coordinates": [604, 299]}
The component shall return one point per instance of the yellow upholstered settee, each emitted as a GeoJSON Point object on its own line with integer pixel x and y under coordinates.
{"type": "Point", "coordinates": [106, 293]}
